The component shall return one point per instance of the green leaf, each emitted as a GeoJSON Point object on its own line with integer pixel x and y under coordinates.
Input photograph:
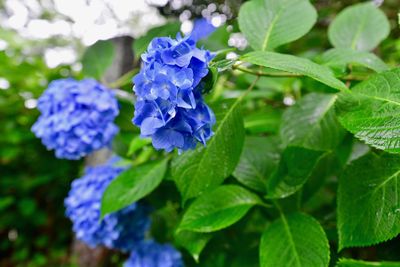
{"type": "Point", "coordinates": [132, 185]}
{"type": "Point", "coordinates": [357, 263]}
{"type": "Point", "coordinates": [338, 57]}
{"type": "Point", "coordinates": [98, 58]}
{"type": "Point", "coordinates": [193, 242]}
{"type": "Point", "coordinates": [370, 111]}
{"type": "Point", "coordinates": [217, 40]}
{"type": "Point", "coordinates": [259, 159]}
{"type": "Point", "coordinates": [326, 167]}
{"type": "Point", "coordinates": [206, 167]}
{"type": "Point", "coordinates": [136, 144]}
{"type": "Point", "coordinates": [263, 121]}
{"type": "Point", "coordinates": [218, 209]}
{"type": "Point", "coordinates": [6, 202]}
{"type": "Point", "coordinates": [359, 27]}
{"type": "Point", "coordinates": [369, 201]}
{"type": "Point", "coordinates": [311, 123]}
{"type": "Point", "coordinates": [268, 24]}
{"type": "Point", "coordinates": [140, 45]}
{"type": "Point", "coordinates": [296, 240]}
{"type": "Point", "coordinates": [208, 83]}
{"type": "Point", "coordinates": [295, 167]}
{"type": "Point", "coordinates": [295, 65]}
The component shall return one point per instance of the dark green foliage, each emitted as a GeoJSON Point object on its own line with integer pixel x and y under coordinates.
{"type": "Point", "coordinates": [302, 169]}
{"type": "Point", "coordinates": [368, 201]}
{"type": "Point", "coordinates": [131, 185]}
{"type": "Point", "coordinates": [206, 167]}
{"type": "Point", "coordinates": [294, 240]}
{"type": "Point", "coordinates": [33, 182]}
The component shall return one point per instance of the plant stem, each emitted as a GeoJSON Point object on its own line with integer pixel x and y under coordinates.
{"type": "Point", "coordinates": [248, 90]}
{"type": "Point", "coordinates": [121, 81]}
{"type": "Point", "coordinates": [266, 74]}
{"type": "Point", "coordinates": [124, 96]}
{"type": "Point", "coordinates": [350, 77]}
{"type": "Point", "coordinates": [124, 79]}
{"type": "Point", "coordinates": [353, 77]}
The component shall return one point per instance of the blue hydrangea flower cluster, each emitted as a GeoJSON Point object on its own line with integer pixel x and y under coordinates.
{"type": "Point", "coordinates": [76, 117]}
{"type": "Point", "coordinates": [202, 28]}
{"type": "Point", "coordinates": [170, 108]}
{"type": "Point", "coordinates": [152, 254]}
{"type": "Point", "coordinates": [120, 230]}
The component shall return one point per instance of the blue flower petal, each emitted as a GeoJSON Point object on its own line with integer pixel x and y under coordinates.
{"type": "Point", "coordinates": [202, 28]}
{"type": "Point", "coordinates": [150, 125]}
{"type": "Point", "coordinates": [168, 139]}
{"type": "Point", "coordinates": [151, 254]}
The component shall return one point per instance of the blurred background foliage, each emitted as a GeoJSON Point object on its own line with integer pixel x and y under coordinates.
{"type": "Point", "coordinates": [33, 183]}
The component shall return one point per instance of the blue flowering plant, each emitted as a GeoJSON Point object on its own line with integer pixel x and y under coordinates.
{"type": "Point", "coordinates": [77, 117]}
{"type": "Point", "coordinates": [152, 254]}
{"type": "Point", "coordinates": [121, 230]}
{"type": "Point", "coordinates": [261, 158]}
{"type": "Point", "coordinates": [170, 107]}
{"type": "Point", "coordinates": [124, 230]}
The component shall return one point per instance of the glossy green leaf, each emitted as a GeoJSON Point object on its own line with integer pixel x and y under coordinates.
{"type": "Point", "coordinates": [369, 201]}
{"type": "Point", "coordinates": [264, 121]}
{"type": "Point", "coordinates": [371, 110]}
{"type": "Point", "coordinates": [268, 24]}
{"type": "Point", "coordinates": [209, 82]}
{"type": "Point", "coordinates": [218, 209]}
{"type": "Point", "coordinates": [259, 159]}
{"type": "Point", "coordinates": [206, 167]}
{"type": "Point", "coordinates": [295, 65]}
{"type": "Point", "coordinates": [357, 263]}
{"type": "Point", "coordinates": [311, 123]}
{"type": "Point", "coordinates": [140, 45]}
{"type": "Point", "coordinates": [294, 240]}
{"type": "Point", "coordinates": [327, 166]}
{"type": "Point", "coordinates": [136, 144]}
{"type": "Point", "coordinates": [295, 167]}
{"type": "Point", "coordinates": [98, 58]}
{"type": "Point", "coordinates": [338, 57]}
{"type": "Point", "coordinates": [359, 27]}
{"type": "Point", "coordinates": [132, 185]}
{"type": "Point", "coordinates": [193, 242]}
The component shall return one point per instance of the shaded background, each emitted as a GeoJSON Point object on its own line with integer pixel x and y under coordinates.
{"type": "Point", "coordinates": [42, 40]}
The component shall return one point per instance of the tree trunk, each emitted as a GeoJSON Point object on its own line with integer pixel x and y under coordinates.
{"type": "Point", "coordinates": [83, 255]}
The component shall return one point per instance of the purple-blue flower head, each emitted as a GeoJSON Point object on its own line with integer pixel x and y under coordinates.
{"type": "Point", "coordinates": [170, 108]}
{"type": "Point", "coordinates": [152, 254]}
{"type": "Point", "coordinates": [76, 117]}
{"type": "Point", "coordinates": [202, 28]}
{"type": "Point", "coordinates": [123, 229]}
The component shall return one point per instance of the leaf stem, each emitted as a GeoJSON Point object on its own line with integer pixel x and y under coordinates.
{"type": "Point", "coordinates": [350, 77]}
{"type": "Point", "coordinates": [265, 205]}
{"type": "Point", "coordinates": [248, 90]}
{"type": "Point", "coordinates": [265, 74]}
{"type": "Point", "coordinates": [124, 96]}
{"type": "Point", "coordinates": [353, 77]}
{"type": "Point", "coordinates": [277, 206]}
{"type": "Point", "coordinates": [124, 79]}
